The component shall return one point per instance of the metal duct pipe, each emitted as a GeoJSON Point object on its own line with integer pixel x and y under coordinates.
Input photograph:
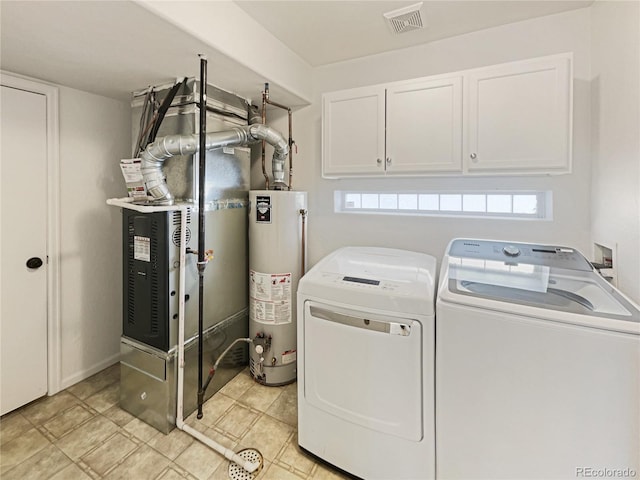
{"type": "Point", "coordinates": [279, 183]}
{"type": "Point", "coordinates": [166, 147]}
{"type": "Point", "coordinates": [254, 115]}
{"type": "Point", "coordinates": [281, 151]}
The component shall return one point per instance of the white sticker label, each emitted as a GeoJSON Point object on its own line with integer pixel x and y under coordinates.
{"type": "Point", "coordinates": [142, 248]}
{"type": "Point", "coordinates": [133, 177]}
{"type": "Point", "coordinates": [270, 297]}
{"type": "Point", "coordinates": [289, 357]}
{"type": "Point", "coordinates": [229, 150]}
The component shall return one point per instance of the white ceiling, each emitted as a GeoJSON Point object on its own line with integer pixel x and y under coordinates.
{"type": "Point", "coordinates": [112, 48]}
{"type": "Point", "coordinates": [323, 32]}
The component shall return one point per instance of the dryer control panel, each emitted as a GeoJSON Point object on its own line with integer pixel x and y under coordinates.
{"type": "Point", "coordinates": [359, 282]}
{"type": "Point", "coordinates": [516, 253]}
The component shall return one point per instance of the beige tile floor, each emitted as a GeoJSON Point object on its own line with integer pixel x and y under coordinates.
{"type": "Point", "coordinates": [81, 433]}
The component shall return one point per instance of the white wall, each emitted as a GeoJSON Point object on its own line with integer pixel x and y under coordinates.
{"type": "Point", "coordinates": [231, 31]}
{"type": "Point", "coordinates": [94, 135]}
{"type": "Point", "coordinates": [566, 32]}
{"type": "Point", "coordinates": [615, 94]}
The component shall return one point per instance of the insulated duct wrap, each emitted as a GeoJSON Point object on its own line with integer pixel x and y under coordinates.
{"type": "Point", "coordinates": [176, 145]}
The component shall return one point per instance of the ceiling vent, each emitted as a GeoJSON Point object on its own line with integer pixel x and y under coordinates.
{"type": "Point", "coordinates": [405, 19]}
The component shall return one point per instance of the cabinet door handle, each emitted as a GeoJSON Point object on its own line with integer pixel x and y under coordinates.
{"type": "Point", "coordinates": [379, 161]}
{"type": "Point", "coordinates": [473, 156]}
{"type": "Point", "coordinates": [388, 160]}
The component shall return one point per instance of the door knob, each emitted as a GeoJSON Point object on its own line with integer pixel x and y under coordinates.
{"type": "Point", "coordinates": [34, 262]}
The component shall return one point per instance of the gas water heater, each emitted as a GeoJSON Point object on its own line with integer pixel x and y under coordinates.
{"type": "Point", "coordinates": [277, 249]}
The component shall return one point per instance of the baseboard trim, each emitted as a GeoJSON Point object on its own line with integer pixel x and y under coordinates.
{"type": "Point", "coordinates": [84, 374]}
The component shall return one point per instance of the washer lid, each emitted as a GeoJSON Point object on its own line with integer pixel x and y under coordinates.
{"type": "Point", "coordinates": [560, 282]}
{"type": "Point", "coordinates": [383, 278]}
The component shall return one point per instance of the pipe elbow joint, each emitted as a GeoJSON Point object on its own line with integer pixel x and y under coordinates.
{"type": "Point", "coordinates": [166, 147]}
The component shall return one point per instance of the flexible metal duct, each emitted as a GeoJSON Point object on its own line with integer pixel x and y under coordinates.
{"type": "Point", "coordinates": [166, 147]}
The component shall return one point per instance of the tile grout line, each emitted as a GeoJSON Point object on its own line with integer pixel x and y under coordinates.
{"type": "Point", "coordinates": [112, 413]}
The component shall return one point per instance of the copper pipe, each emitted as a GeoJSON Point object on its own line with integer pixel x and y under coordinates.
{"type": "Point", "coordinates": [264, 143]}
{"type": "Point", "coordinates": [290, 152]}
{"type": "Point", "coordinates": [275, 104]}
{"type": "Point", "coordinates": [265, 101]}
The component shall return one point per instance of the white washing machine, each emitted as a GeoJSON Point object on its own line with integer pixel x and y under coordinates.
{"type": "Point", "coordinates": [365, 362]}
{"type": "Point", "coordinates": [537, 366]}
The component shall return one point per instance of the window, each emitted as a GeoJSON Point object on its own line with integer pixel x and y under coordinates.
{"type": "Point", "coordinates": [494, 204]}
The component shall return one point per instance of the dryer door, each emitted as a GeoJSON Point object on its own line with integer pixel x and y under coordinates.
{"type": "Point", "coordinates": [365, 368]}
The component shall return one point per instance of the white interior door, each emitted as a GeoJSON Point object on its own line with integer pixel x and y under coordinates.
{"type": "Point", "coordinates": [23, 194]}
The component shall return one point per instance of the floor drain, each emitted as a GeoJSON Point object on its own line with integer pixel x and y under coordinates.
{"type": "Point", "coordinates": [236, 472]}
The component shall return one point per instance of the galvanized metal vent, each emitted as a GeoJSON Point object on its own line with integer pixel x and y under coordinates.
{"type": "Point", "coordinates": [405, 19]}
{"type": "Point", "coordinates": [236, 472]}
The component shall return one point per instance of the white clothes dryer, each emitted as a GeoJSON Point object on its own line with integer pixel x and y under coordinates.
{"type": "Point", "coordinates": [537, 366]}
{"type": "Point", "coordinates": [365, 362]}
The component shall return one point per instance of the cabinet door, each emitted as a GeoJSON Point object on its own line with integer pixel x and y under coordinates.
{"type": "Point", "coordinates": [424, 126]}
{"type": "Point", "coordinates": [353, 132]}
{"type": "Point", "coordinates": [519, 117]}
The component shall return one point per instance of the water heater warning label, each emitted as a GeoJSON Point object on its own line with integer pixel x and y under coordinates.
{"type": "Point", "coordinates": [142, 248]}
{"type": "Point", "coordinates": [263, 208]}
{"type": "Point", "coordinates": [270, 297]}
{"type": "Point", "coordinates": [289, 357]}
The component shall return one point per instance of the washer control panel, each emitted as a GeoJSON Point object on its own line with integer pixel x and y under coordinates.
{"type": "Point", "coordinates": [511, 251]}
{"type": "Point", "coordinates": [527, 253]}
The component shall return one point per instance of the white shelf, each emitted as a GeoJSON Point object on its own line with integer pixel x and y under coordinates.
{"type": "Point", "coordinates": [128, 202]}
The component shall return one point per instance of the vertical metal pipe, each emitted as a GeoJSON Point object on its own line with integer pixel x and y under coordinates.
{"type": "Point", "coordinates": [290, 150]}
{"type": "Point", "coordinates": [303, 249]}
{"type": "Point", "coordinates": [201, 221]}
{"type": "Point", "coordinates": [264, 143]}
{"type": "Point", "coordinates": [266, 101]}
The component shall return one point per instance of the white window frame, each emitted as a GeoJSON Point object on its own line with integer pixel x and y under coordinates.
{"type": "Point", "coordinates": [543, 200]}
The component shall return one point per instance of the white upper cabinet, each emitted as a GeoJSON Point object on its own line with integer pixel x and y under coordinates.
{"type": "Point", "coordinates": [511, 118]}
{"type": "Point", "coordinates": [353, 123]}
{"type": "Point", "coordinates": [519, 117]}
{"type": "Point", "coordinates": [424, 126]}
